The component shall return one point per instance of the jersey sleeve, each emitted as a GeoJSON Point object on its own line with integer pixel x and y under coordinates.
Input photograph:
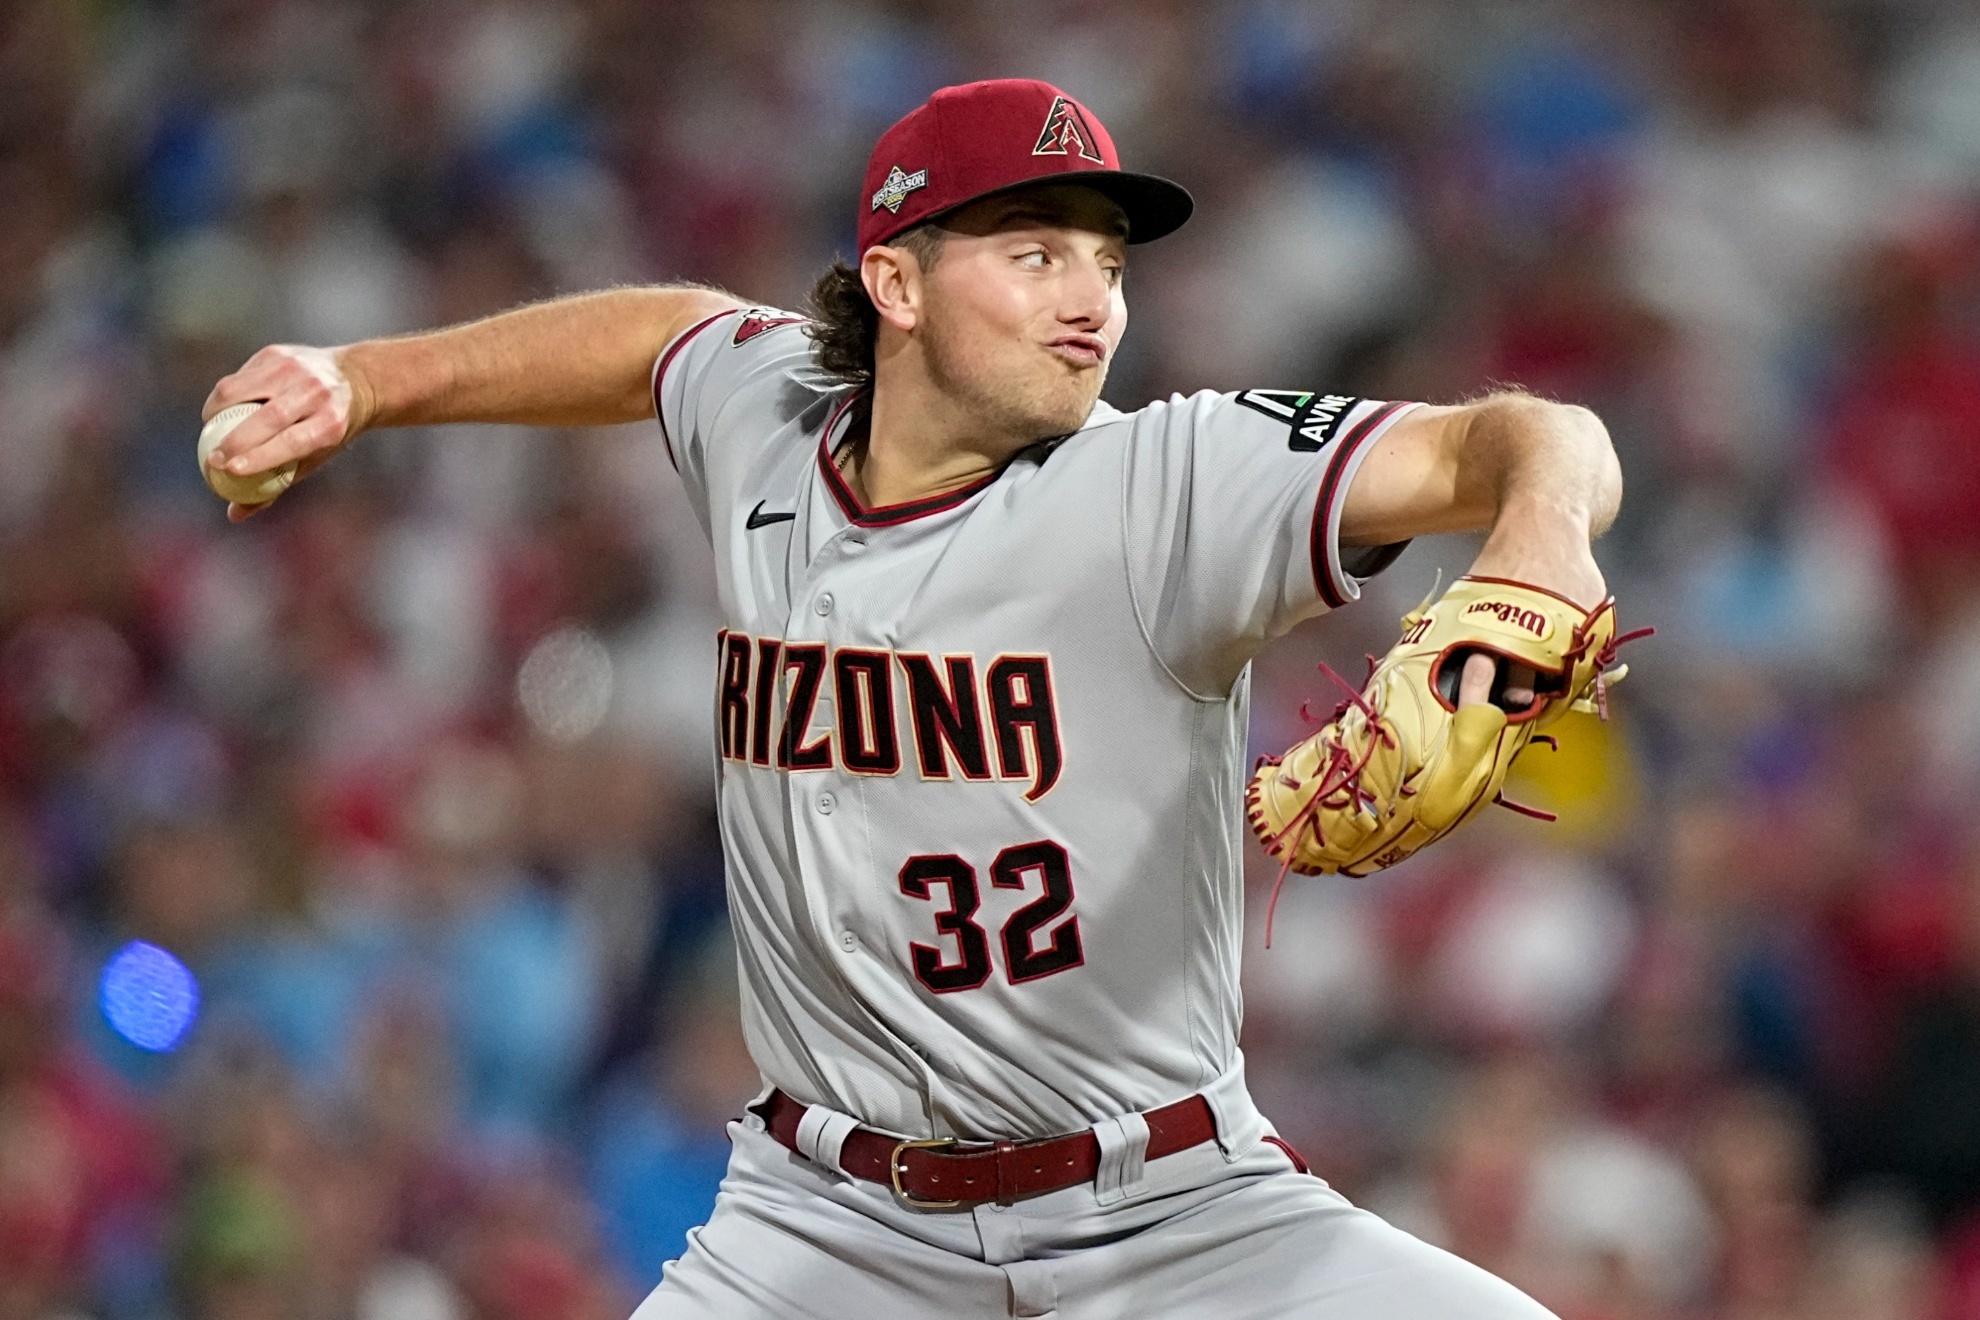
{"type": "Point", "coordinates": [1232, 518]}
{"type": "Point", "coordinates": [735, 369]}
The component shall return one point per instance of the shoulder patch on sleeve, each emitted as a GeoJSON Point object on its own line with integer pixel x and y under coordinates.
{"type": "Point", "coordinates": [758, 319]}
{"type": "Point", "coordinates": [1311, 419]}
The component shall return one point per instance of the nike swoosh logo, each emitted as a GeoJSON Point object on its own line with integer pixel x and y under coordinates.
{"type": "Point", "coordinates": [758, 518]}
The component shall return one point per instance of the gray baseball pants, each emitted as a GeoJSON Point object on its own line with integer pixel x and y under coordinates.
{"type": "Point", "coordinates": [1200, 1237]}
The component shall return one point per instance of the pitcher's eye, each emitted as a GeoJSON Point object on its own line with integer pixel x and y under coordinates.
{"type": "Point", "coordinates": [1035, 259]}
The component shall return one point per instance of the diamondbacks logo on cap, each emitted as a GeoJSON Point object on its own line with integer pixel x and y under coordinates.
{"type": "Point", "coordinates": [1065, 131]}
{"type": "Point", "coordinates": [897, 186]}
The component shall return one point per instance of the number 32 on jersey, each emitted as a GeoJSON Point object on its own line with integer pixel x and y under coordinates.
{"type": "Point", "coordinates": [1026, 953]}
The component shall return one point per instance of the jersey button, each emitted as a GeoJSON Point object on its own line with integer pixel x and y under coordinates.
{"type": "Point", "coordinates": [823, 604]}
{"type": "Point", "coordinates": [827, 804]}
{"type": "Point", "coordinates": [848, 941]}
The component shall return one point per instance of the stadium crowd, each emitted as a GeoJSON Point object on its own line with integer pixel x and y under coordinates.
{"type": "Point", "coordinates": [413, 771]}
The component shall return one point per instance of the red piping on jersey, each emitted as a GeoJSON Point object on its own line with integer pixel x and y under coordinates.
{"type": "Point", "coordinates": [886, 515]}
{"type": "Point", "coordinates": [1298, 1160]}
{"type": "Point", "coordinates": [660, 374]}
{"type": "Point", "coordinates": [1353, 441]}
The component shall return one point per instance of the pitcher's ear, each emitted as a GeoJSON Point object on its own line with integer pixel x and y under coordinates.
{"type": "Point", "coordinates": [893, 280]}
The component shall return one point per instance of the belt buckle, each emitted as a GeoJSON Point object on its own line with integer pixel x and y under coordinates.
{"type": "Point", "coordinates": [895, 1169]}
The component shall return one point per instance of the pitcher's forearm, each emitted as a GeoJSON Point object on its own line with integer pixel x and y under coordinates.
{"type": "Point", "coordinates": [1552, 481]}
{"type": "Point", "coordinates": [579, 361]}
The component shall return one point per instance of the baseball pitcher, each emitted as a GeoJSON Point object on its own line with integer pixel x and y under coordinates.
{"type": "Point", "coordinates": [980, 724]}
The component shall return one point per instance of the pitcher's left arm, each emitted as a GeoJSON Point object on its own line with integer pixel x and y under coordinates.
{"type": "Point", "coordinates": [1541, 478]}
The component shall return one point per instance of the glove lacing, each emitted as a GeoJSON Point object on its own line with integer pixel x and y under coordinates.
{"type": "Point", "coordinates": [1341, 773]}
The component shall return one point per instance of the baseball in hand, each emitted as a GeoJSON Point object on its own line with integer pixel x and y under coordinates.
{"type": "Point", "coordinates": [257, 489]}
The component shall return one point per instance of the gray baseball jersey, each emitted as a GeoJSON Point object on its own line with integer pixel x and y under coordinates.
{"type": "Point", "coordinates": [981, 755]}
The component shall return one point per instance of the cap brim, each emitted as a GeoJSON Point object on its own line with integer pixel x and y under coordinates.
{"type": "Point", "coordinates": [1155, 207]}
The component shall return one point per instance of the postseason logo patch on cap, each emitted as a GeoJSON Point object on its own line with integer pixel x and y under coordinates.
{"type": "Point", "coordinates": [897, 185]}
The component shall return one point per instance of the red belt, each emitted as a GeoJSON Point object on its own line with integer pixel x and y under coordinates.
{"type": "Point", "coordinates": [945, 1174]}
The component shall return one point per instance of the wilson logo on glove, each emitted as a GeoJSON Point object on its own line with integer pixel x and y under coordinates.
{"type": "Point", "coordinates": [1512, 615]}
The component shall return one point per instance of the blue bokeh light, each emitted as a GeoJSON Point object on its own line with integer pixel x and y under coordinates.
{"type": "Point", "coordinates": [149, 996]}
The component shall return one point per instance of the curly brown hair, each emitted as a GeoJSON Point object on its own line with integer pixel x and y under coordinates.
{"type": "Point", "coordinates": [844, 323]}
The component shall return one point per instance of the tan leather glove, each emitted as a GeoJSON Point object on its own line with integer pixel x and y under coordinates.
{"type": "Point", "coordinates": [1400, 765]}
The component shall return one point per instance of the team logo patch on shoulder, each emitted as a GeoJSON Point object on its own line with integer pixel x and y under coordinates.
{"type": "Point", "coordinates": [895, 188]}
{"type": "Point", "coordinates": [1311, 419]}
{"type": "Point", "coordinates": [758, 319]}
{"type": "Point", "coordinates": [1066, 133]}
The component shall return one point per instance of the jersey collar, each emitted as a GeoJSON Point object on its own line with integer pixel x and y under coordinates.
{"type": "Point", "coordinates": [885, 515]}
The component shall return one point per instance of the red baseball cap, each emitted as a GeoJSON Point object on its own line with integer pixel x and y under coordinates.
{"type": "Point", "coordinates": [968, 142]}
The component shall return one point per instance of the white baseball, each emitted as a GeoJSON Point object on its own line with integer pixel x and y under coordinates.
{"type": "Point", "coordinates": [257, 489]}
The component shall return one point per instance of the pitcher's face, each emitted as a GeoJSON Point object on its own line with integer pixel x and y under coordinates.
{"type": "Point", "coordinates": [1024, 308]}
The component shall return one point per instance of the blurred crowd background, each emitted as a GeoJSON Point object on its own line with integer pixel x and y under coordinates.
{"type": "Point", "coordinates": [413, 771]}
